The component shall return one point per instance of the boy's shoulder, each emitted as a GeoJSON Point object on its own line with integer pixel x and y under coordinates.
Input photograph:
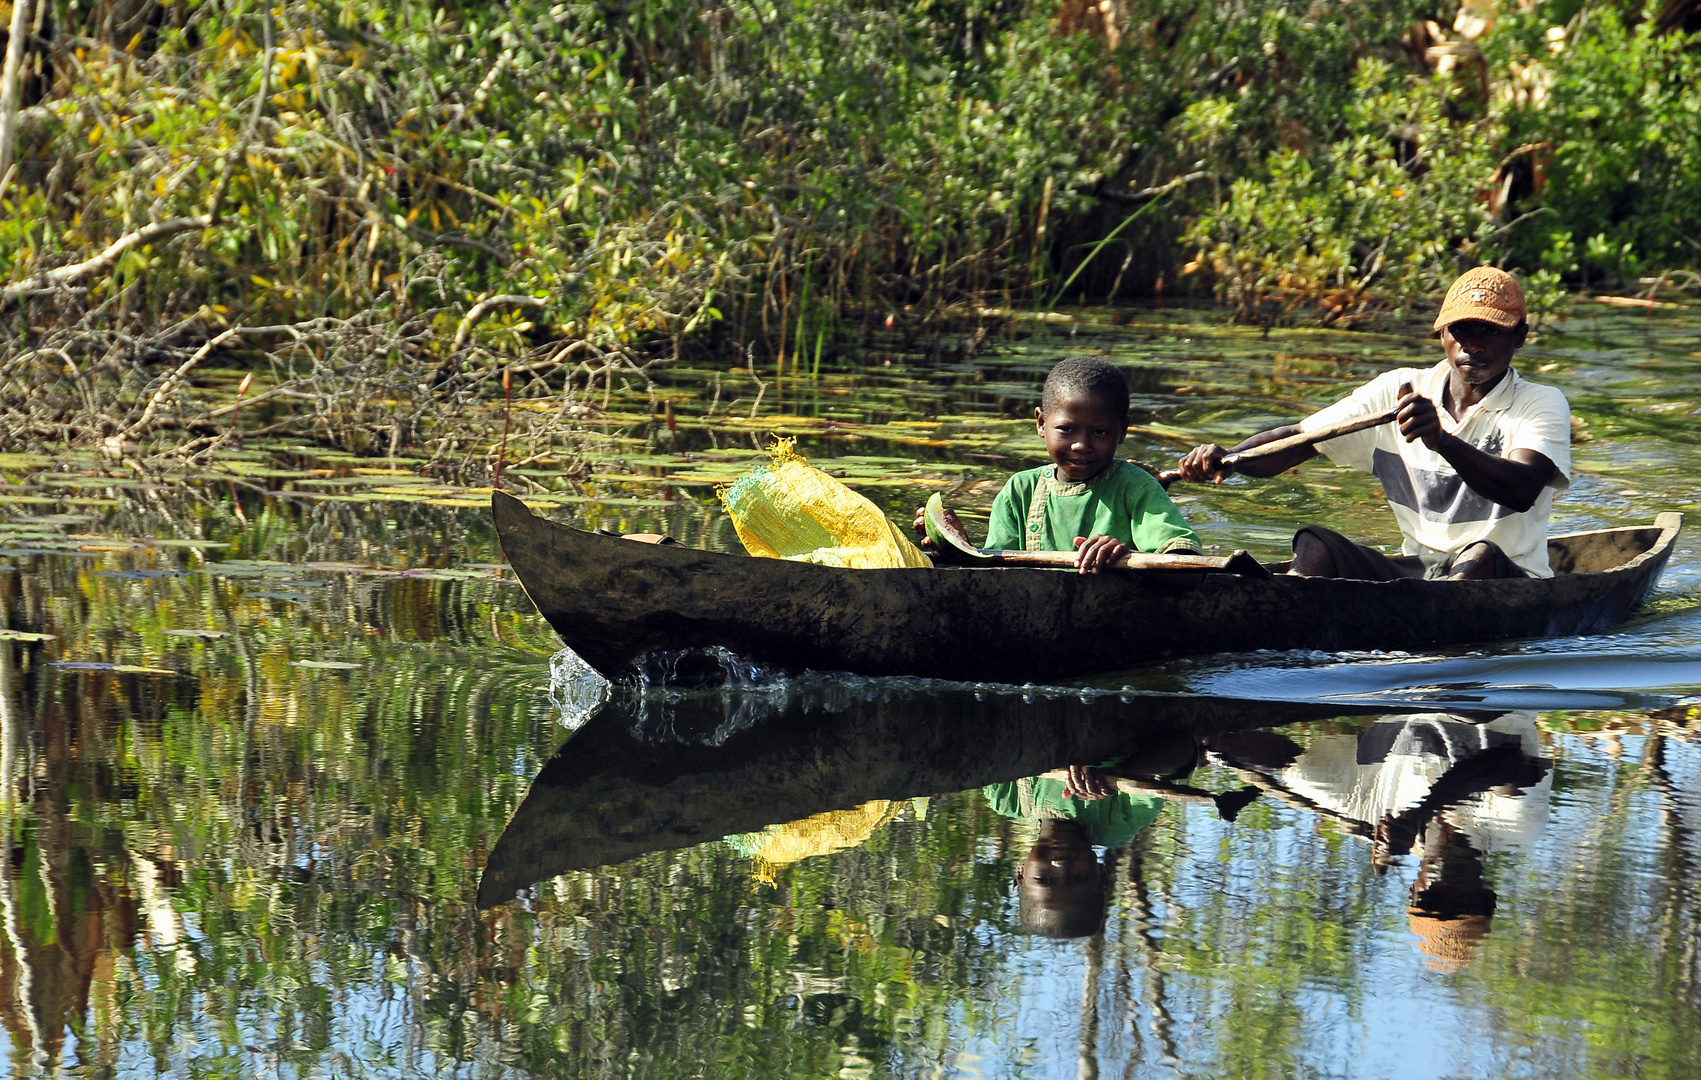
{"type": "Point", "coordinates": [1128, 479]}
{"type": "Point", "coordinates": [1024, 480]}
{"type": "Point", "coordinates": [1135, 474]}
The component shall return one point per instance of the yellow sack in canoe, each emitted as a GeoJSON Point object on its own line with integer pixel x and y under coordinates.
{"type": "Point", "coordinates": [788, 509]}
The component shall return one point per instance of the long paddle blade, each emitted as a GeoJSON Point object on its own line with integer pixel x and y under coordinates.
{"type": "Point", "coordinates": [950, 542]}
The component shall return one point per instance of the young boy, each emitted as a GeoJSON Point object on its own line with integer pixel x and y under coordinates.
{"type": "Point", "coordinates": [1085, 500]}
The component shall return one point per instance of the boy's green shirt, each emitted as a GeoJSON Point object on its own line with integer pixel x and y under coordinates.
{"type": "Point", "coordinates": [1108, 822]}
{"type": "Point", "coordinates": [1124, 501]}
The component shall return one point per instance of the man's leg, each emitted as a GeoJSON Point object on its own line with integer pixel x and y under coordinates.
{"type": "Point", "coordinates": [1311, 556]}
{"type": "Point", "coordinates": [1482, 561]}
{"type": "Point", "coordinates": [1320, 552]}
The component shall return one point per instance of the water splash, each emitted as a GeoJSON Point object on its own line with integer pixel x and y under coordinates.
{"type": "Point", "coordinates": [576, 688]}
{"type": "Point", "coordinates": [708, 667]}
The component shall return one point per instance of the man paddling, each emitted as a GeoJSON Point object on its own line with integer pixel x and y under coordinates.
{"type": "Point", "coordinates": [1472, 467]}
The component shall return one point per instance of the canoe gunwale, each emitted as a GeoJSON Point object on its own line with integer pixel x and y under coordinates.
{"type": "Point", "coordinates": [1668, 522]}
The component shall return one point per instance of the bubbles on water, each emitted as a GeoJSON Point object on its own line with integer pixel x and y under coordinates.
{"type": "Point", "coordinates": [576, 688]}
{"type": "Point", "coordinates": [706, 696]}
{"type": "Point", "coordinates": [710, 667]}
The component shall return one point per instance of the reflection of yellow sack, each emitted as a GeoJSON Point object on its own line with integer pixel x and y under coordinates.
{"type": "Point", "coordinates": [788, 509]}
{"type": "Point", "coordinates": [818, 834]}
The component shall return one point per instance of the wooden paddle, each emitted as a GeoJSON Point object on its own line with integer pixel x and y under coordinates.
{"type": "Point", "coordinates": [1304, 438]}
{"type": "Point", "coordinates": [951, 544]}
{"type": "Point", "coordinates": [1228, 804]}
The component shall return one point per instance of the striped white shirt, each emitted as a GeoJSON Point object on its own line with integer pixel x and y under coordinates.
{"type": "Point", "coordinates": [1437, 514]}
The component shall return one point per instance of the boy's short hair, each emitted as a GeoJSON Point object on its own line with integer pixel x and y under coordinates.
{"type": "Point", "coordinates": [1083, 917]}
{"type": "Point", "coordinates": [1089, 377]}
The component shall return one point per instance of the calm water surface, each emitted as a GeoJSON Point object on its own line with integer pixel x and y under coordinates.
{"type": "Point", "coordinates": [290, 787]}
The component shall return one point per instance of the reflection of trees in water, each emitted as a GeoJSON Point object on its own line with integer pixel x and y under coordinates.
{"type": "Point", "coordinates": [323, 834]}
{"type": "Point", "coordinates": [309, 832]}
{"type": "Point", "coordinates": [185, 851]}
{"type": "Point", "coordinates": [1680, 914]}
{"type": "Point", "coordinates": [1140, 926]}
{"type": "Point", "coordinates": [66, 912]}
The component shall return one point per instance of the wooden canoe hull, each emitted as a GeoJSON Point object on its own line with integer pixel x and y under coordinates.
{"type": "Point", "coordinates": [613, 601]}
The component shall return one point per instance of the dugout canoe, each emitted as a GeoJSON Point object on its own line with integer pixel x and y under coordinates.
{"type": "Point", "coordinates": [614, 601]}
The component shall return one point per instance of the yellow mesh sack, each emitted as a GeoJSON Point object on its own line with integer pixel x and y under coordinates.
{"type": "Point", "coordinates": [788, 509]}
{"type": "Point", "coordinates": [818, 834]}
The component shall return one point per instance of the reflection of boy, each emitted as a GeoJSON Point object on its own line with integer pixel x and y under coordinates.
{"type": "Point", "coordinates": [1086, 500]}
{"type": "Point", "coordinates": [1061, 885]}
{"type": "Point", "coordinates": [1062, 888]}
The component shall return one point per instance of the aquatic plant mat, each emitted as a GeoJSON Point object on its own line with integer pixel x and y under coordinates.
{"type": "Point", "coordinates": [921, 413]}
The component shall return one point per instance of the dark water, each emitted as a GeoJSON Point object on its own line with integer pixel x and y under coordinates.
{"type": "Point", "coordinates": [257, 775]}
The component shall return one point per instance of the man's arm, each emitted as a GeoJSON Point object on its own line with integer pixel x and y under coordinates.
{"type": "Point", "coordinates": [1514, 481]}
{"type": "Point", "coordinates": [1206, 462]}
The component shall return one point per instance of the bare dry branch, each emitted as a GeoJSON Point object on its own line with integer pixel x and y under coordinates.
{"type": "Point", "coordinates": [1149, 193]}
{"type": "Point", "coordinates": [48, 280]}
{"type": "Point", "coordinates": [170, 384]}
{"type": "Point", "coordinates": [483, 308]}
{"type": "Point", "coordinates": [9, 88]}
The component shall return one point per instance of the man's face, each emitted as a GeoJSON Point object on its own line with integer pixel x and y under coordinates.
{"type": "Point", "coordinates": [1480, 352]}
{"type": "Point", "coordinates": [1081, 435]}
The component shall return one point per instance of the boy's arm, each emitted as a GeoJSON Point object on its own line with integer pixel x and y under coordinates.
{"type": "Point", "coordinates": [1156, 523]}
{"type": "Point", "coordinates": [1004, 530]}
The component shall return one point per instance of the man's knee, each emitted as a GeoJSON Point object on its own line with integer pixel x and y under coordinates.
{"type": "Point", "coordinates": [1478, 562]}
{"type": "Point", "coordinates": [1311, 556]}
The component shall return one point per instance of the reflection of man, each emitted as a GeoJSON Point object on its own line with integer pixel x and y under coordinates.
{"type": "Point", "coordinates": [1451, 907]}
{"type": "Point", "coordinates": [1444, 785]}
{"type": "Point", "coordinates": [1395, 766]}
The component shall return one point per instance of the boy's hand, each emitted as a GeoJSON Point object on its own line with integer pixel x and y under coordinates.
{"type": "Point", "coordinates": [1087, 783]}
{"type": "Point", "coordinates": [1095, 553]}
{"type": "Point", "coordinates": [1205, 462]}
{"type": "Point", "coordinates": [921, 527]}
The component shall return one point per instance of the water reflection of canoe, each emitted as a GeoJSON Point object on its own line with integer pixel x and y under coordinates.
{"type": "Point", "coordinates": [657, 773]}
{"type": "Point", "coordinates": [613, 600]}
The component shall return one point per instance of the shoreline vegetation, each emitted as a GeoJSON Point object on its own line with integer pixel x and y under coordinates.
{"type": "Point", "coordinates": [426, 231]}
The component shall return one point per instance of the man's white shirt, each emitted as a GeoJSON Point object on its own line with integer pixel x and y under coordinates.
{"type": "Point", "coordinates": [1437, 513]}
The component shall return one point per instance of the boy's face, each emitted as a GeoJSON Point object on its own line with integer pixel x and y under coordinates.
{"type": "Point", "coordinates": [1059, 883]}
{"type": "Point", "coordinates": [1081, 435]}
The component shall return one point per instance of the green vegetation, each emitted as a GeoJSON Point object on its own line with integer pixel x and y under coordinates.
{"type": "Point", "coordinates": [381, 208]}
{"type": "Point", "coordinates": [1555, 139]}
